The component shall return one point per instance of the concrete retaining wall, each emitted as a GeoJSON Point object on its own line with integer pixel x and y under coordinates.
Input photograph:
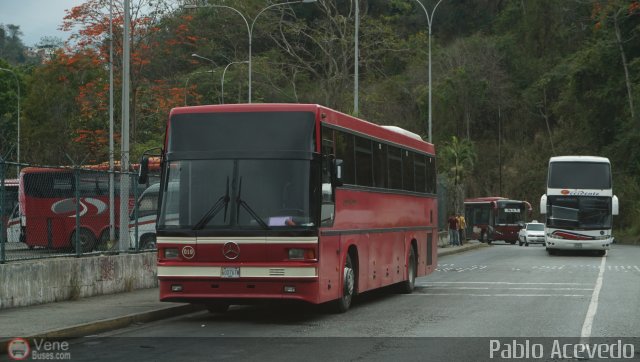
{"type": "Point", "coordinates": [443, 238]}
{"type": "Point", "coordinates": [53, 280]}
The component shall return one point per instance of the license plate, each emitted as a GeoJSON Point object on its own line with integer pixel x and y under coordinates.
{"type": "Point", "coordinates": [577, 245]}
{"type": "Point", "coordinates": [230, 272]}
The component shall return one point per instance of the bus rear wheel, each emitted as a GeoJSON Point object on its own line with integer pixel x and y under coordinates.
{"type": "Point", "coordinates": [87, 240]}
{"type": "Point", "coordinates": [409, 285]}
{"type": "Point", "coordinates": [343, 303]}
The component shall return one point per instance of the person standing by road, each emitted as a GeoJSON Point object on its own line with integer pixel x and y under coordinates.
{"type": "Point", "coordinates": [462, 224]}
{"type": "Point", "coordinates": [452, 224]}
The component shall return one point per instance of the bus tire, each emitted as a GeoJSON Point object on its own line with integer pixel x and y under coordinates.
{"type": "Point", "coordinates": [409, 285]}
{"type": "Point", "coordinates": [87, 240]}
{"type": "Point", "coordinates": [343, 303]}
{"type": "Point", "coordinates": [550, 251]}
{"type": "Point", "coordinates": [217, 307]}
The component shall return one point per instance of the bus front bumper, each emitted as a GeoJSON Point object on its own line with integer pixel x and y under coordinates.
{"type": "Point", "coordinates": [244, 291]}
{"type": "Point", "coordinates": [567, 244]}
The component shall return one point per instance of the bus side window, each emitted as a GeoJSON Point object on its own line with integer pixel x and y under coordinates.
{"type": "Point", "coordinates": [327, 211]}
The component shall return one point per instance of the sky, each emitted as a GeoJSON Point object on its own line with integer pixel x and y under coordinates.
{"type": "Point", "coordinates": [36, 18]}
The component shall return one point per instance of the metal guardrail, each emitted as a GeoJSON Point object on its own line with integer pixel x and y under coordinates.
{"type": "Point", "coordinates": [65, 211]}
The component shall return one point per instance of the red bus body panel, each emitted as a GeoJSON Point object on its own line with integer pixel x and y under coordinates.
{"type": "Point", "coordinates": [51, 221]}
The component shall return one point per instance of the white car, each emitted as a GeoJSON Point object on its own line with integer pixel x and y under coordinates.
{"type": "Point", "coordinates": [531, 233]}
{"type": "Point", "coordinates": [15, 231]}
{"type": "Point", "coordinates": [147, 208]}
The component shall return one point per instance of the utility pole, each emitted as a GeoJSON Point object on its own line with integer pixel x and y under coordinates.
{"type": "Point", "coordinates": [124, 163]}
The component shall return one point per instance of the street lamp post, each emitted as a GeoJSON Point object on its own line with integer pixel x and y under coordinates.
{"type": "Point", "coordinates": [222, 78]}
{"type": "Point", "coordinates": [18, 140]}
{"type": "Point", "coordinates": [429, 22]}
{"type": "Point", "coordinates": [356, 55]}
{"type": "Point", "coordinates": [250, 27]}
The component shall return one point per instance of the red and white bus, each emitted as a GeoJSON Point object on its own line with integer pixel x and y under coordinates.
{"type": "Point", "coordinates": [48, 207]}
{"type": "Point", "coordinates": [495, 218]}
{"type": "Point", "coordinates": [291, 201]}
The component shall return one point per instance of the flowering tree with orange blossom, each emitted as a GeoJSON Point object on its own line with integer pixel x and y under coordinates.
{"type": "Point", "coordinates": [156, 32]}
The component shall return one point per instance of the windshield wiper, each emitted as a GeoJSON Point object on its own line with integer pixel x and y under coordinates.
{"type": "Point", "coordinates": [246, 206]}
{"type": "Point", "coordinates": [223, 201]}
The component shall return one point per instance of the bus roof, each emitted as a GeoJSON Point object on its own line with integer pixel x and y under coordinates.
{"type": "Point", "coordinates": [490, 199]}
{"type": "Point", "coordinates": [485, 199]}
{"type": "Point", "coordinates": [392, 134]}
{"type": "Point", "coordinates": [579, 159]}
{"type": "Point", "coordinates": [154, 165]}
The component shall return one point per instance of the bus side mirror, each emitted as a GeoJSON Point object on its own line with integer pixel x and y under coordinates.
{"type": "Point", "coordinates": [615, 206]}
{"type": "Point", "coordinates": [543, 204]}
{"type": "Point", "coordinates": [337, 172]}
{"type": "Point", "coordinates": [143, 171]}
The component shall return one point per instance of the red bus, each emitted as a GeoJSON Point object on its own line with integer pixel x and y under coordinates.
{"type": "Point", "coordinates": [495, 218]}
{"type": "Point", "coordinates": [291, 201]}
{"type": "Point", "coordinates": [48, 206]}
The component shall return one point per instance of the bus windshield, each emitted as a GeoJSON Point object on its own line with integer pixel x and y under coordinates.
{"type": "Point", "coordinates": [579, 212]}
{"type": "Point", "coordinates": [225, 194]}
{"type": "Point", "coordinates": [510, 213]}
{"type": "Point", "coordinates": [579, 175]}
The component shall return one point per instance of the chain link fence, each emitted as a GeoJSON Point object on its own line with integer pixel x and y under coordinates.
{"type": "Point", "coordinates": [56, 211]}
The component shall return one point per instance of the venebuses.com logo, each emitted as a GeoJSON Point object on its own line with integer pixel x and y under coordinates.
{"type": "Point", "coordinates": [19, 349]}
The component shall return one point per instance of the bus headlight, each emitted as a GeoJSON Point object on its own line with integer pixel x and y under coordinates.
{"type": "Point", "coordinates": [302, 254]}
{"type": "Point", "coordinates": [171, 253]}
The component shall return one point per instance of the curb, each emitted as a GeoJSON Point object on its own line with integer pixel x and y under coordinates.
{"type": "Point", "coordinates": [105, 325]}
{"type": "Point", "coordinates": [449, 251]}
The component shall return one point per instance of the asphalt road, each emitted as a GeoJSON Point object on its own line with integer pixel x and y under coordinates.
{"type": "Point", "coordinates": [503, 292]}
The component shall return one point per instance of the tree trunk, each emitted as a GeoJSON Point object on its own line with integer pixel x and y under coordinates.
{"type": "Point", "coordinates": [624, 64]}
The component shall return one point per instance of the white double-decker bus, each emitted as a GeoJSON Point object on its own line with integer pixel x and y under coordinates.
{"type": "Point", "coordinates": [579, 204]}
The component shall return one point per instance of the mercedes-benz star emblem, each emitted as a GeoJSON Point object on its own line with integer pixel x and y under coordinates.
{"type": "Point", "coordinates": [231, 250]}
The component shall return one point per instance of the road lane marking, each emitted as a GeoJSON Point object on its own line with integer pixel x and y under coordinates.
{"type": "Point", "coordinates": [487, 288]}
{"type": "Point", "coordinates": [593, 305]}
{"type": "Point", "coordinates": [498, 295]}
{"type": "Point", "coordinates": [505, 283]}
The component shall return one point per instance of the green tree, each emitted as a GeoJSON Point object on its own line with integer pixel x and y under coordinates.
{"type": "Point", "coordinates": [457, 159]}
{"type": "Point", "coordinates": [9, 109]}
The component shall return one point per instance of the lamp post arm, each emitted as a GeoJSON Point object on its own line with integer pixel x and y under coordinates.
{"type": "Point", "coordinates": [429, 21]}
{"type": "Point", "coordinates": [222, 78]}
{"type": "Point", "coordinates": [249, 30]}
{"type": "Point", "coordinates": [186, 83]}
{"type": "Point", "coordinates": [253, 23]}
{"type": "Point", "coordinates": [426, 12]}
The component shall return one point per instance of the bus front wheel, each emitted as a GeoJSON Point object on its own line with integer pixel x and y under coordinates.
{"type": "Point", "coordinates": [343, 303]}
